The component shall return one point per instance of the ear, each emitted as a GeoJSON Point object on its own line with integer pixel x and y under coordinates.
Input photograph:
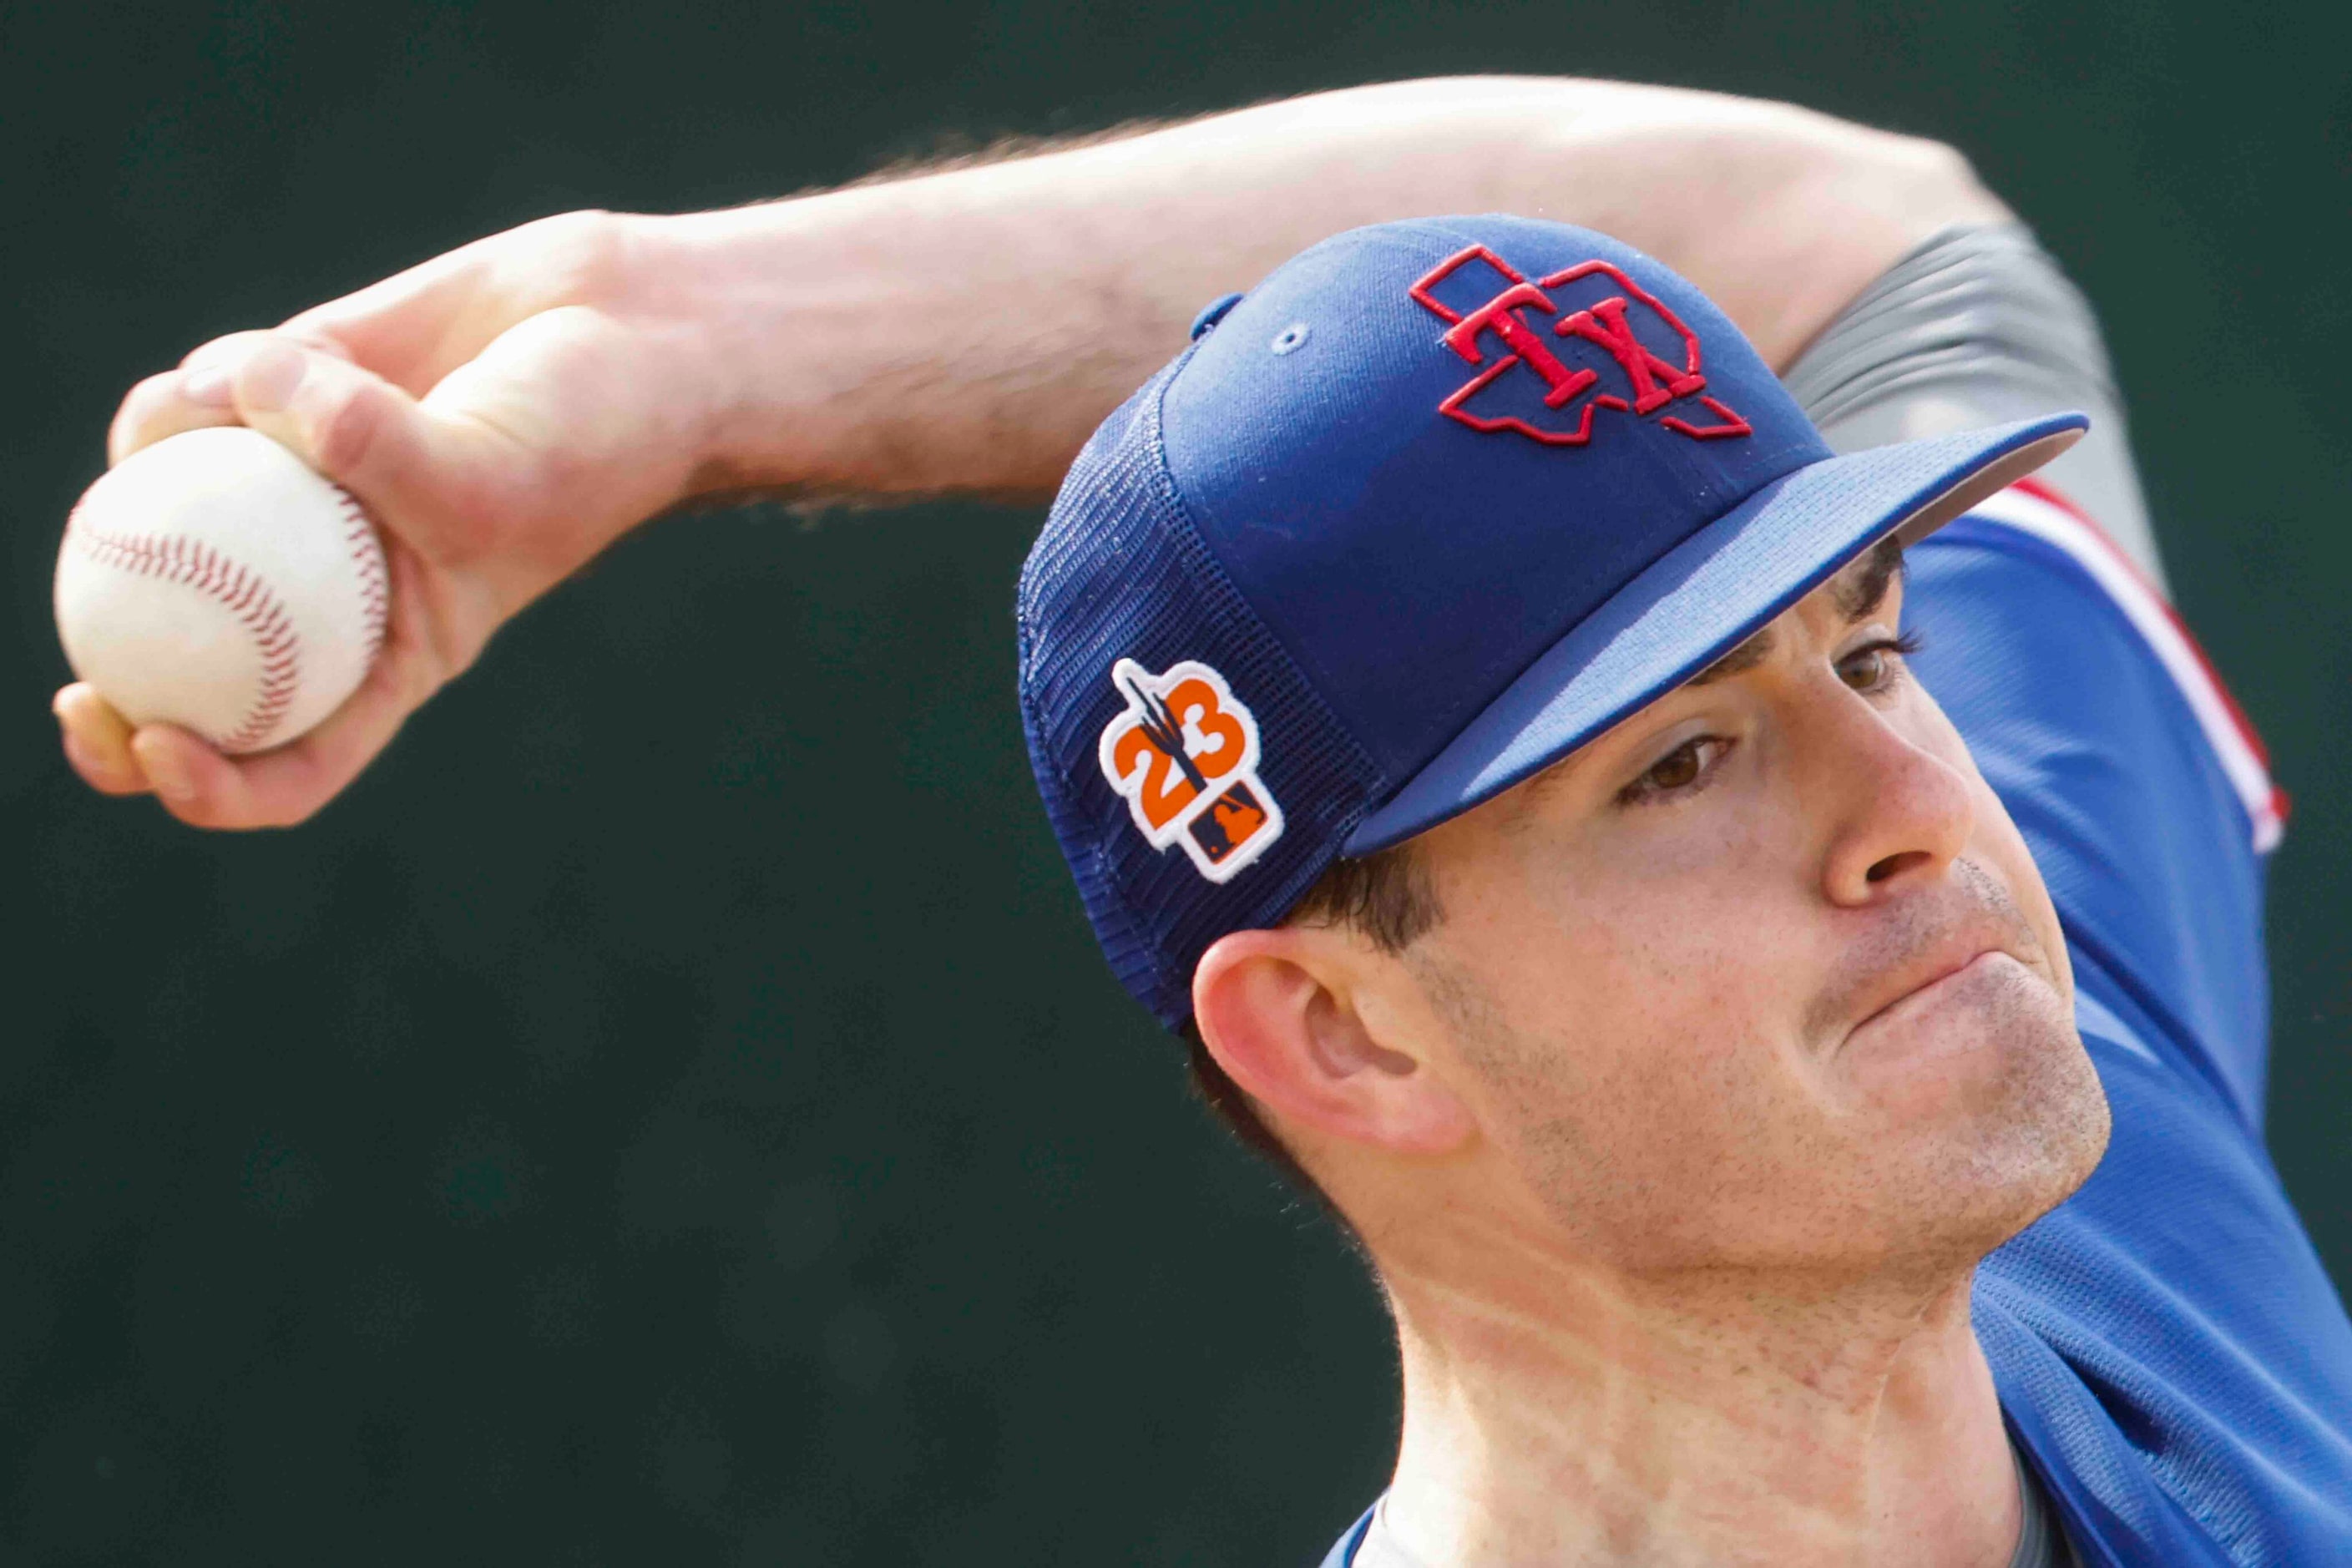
{"type": "Point", "coordinates": [1285, 1014]}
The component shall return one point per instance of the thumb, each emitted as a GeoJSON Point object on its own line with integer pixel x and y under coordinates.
{"type": "Point", "coordinates": [418, 474]}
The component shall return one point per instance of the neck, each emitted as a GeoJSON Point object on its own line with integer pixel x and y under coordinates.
{"type": "Point", "coordinates": [1556, 1414]}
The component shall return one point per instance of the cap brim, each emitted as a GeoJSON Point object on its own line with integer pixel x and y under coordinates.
{"type": "Point", "coordinates": [1703, 598]}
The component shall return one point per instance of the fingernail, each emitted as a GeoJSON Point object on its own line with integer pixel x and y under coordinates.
{"type": "Point", "coordinates": [163, 771]}
{"type": "Point", "coordinates": [266, 381]}
{"type": "Point", "coordinates": [210, 385]}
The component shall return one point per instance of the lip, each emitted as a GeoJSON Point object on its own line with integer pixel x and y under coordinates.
{"type": "Point", "coordinates": [1922, 995]}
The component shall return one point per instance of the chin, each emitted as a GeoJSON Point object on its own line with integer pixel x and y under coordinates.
{"type": "Point", "coordinates": [1992, 1103]}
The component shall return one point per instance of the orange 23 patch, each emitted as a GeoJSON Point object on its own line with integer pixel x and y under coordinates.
{"type": "Point", "coordinates": [1185, 753]}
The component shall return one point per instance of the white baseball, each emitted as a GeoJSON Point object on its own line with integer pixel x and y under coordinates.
{"type": "Point", "coordinates": [215, 581]}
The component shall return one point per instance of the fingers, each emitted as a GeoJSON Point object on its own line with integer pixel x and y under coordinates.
{"type": "Point", "coordinates": [270, 789]}
{"type": "Point", "coordinates": [157, 408]}
{"type": "Point", "coordinates": [199, 394]}
{"type": "Point", "coordinates": [350, 425]}
{"type": "Point", "coordinates": [427, 479]}
{"type": "Point", "coordinates": [204, 789]}
{"type": "Point", "coordinates": [114, 757]}
{"type": "Point", "coordinates": [98, 741]}
{"type": "Point", "coordinates": [358, 430]}
{"type": "Point", "coordinates": [411, 329]}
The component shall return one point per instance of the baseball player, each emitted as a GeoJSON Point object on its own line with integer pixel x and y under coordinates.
{"type": "Point", "coordinates": [1638, 736]}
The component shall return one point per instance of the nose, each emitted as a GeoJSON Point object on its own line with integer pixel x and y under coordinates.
{"type": "Point", "coordinates": [1898, 813]}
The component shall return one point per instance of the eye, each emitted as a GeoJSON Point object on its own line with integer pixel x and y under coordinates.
{"type": "Point", "coordinates": [1876, 665]}
{"type": "Point", "coordinates": [1680, 772]}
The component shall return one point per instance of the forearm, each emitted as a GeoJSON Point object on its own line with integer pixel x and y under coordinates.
{"type": "Point", "coordinates": [964, 331]}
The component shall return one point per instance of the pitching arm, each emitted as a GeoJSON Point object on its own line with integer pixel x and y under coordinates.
{"type": "Point", "coordinates": [510, 408]}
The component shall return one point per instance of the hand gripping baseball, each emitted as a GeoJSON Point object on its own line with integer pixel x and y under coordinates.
{"type": "Point", "coordinates": [503, 412]}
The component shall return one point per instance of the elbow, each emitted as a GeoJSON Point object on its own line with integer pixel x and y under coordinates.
{"type": "Point", "coordinates": [1934, 182]}
{"type": "Point", "coordinates": [1835, 173]}
{"type": "Point", "coordinates": [1789, 214]}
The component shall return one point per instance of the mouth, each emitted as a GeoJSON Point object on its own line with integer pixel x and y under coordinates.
{"type": "Point", "coordinates": [1931, 990]}
{"type": "Point", "coordinates": [1925, 951]}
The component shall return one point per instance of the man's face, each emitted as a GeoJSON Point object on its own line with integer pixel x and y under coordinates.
{"type": "Point", "coordinates": [1765, 976]}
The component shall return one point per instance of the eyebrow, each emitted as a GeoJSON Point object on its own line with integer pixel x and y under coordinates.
{"type": "Point", "coordinates": [1862, 587]}
{"type": "Point", "coordinates": [1856, 591]}
{"type": "Point", "coordinates": [1746, 656]}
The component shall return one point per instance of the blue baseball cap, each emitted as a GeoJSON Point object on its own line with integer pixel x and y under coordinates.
{"type": "Point", "coordinates": [1432, 506]}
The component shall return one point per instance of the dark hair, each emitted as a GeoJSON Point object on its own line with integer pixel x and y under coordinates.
{"type": "Point", "coordinates": [1390, 897]}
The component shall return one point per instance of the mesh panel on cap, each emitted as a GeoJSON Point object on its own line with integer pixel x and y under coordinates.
{"type": "Point", "coordinates": [1120, 571]}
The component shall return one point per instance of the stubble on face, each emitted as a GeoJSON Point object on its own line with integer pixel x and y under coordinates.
{"type": "Point", "coordinates": [1798, 1002]}
{"type": "Point", "coordinates": [1920, 1139]}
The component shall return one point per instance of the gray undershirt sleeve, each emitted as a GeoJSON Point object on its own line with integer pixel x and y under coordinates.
{"type": "Point", "coordinates": [1977, 326]}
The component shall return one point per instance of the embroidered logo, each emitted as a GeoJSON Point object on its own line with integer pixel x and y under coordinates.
{"type": "Point", "coordinates": [1641, 380]}
{"type": "Point", "coordinates": [1184, 753]}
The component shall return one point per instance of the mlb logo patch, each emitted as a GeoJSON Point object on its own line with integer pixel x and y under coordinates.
{"type": "Point", "coordinates": [1184, 755]}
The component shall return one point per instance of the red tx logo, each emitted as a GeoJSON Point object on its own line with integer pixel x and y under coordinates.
{"type": "Point", "coordinates": [1652, 381]}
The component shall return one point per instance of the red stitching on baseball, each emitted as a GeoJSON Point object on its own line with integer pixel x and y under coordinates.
{"type": "Point", "coordinates": [241, 590]}
{"type": "Point", "coordinates": [367, 555]}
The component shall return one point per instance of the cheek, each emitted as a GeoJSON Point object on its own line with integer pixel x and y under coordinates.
{"type": "Point", "coordinates": [1628, 1047]}
{"type": "Point", "coordinates": [1698, 940]}
{"type": "Point", "coordinates": [1673, 939]}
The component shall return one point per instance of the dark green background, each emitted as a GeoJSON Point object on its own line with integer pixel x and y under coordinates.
{"type": "Point", "coordinates": [672, 1109]}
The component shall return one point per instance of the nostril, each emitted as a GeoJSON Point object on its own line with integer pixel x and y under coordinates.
{"type": "Point", "coordinates": [1895, 865]}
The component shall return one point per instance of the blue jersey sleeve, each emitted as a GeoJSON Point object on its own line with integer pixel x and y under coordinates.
{"type": "Point", "coordinates": [2144, 799]}
{"type": "Point", "coordinates": [2168, 1347]}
